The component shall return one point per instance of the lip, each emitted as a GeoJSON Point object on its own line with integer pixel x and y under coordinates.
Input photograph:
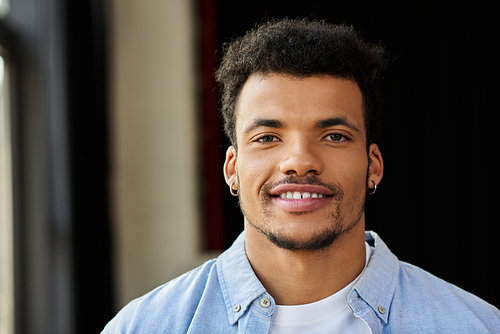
{"type": "Point", "coordinates": [300, 205]}
{"type": "Point", "coordinates": [304, 204]}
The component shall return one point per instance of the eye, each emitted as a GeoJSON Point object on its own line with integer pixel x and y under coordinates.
{"type": "Point", "coordinates": [267, 139]}
{"type": "Point", "coordinates": [335, 137]}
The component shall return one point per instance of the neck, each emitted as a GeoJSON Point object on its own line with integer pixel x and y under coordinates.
{"type": "Point", "coordinates": [302, 277]}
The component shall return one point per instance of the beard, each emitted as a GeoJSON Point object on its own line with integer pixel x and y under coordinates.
{"type": "Point", "coordinates": [319, 240]}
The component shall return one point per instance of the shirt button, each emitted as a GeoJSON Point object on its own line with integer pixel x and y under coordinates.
{"type": "Point", "coordinates": [265, 302]}
{"type": "Point", "coordinates": [381, 310]}
{"type": "Point", "coordinates": [237, 308]}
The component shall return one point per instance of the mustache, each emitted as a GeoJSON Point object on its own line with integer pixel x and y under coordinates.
{"type": "Point", "coordinates": [309, 180]}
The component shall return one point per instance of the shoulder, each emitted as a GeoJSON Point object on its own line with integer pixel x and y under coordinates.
{"type": "Point", "coordinates": [414, 300]}
{"type": "Point", "coordinates": [434, 300]}
{"type": "Point", "coordinates": [172, 303]}
{"type": "Point", "coordinates": [198, 301]}
{"type": "Point", "coordinates": [417, 280]}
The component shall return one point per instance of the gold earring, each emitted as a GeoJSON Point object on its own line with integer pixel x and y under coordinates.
{"type": "Point", "coordinates": [234, 192]}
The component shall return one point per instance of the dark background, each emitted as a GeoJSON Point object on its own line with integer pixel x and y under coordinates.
{"type": "Point", "coordinates": [435, 205]}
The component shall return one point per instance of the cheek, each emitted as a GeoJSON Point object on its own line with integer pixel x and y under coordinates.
{"type": "Point", "coordinates": [251, 177]}
{"type": "Point", "coordinates": [254, 171]}
{"type": "Point", "coordinates": [351, 172]}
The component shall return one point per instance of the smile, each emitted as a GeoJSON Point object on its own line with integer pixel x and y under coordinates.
{"type": "Point", "coordinates": [300, 191]}
{"type": "Point", "coordinates": [299, 195]}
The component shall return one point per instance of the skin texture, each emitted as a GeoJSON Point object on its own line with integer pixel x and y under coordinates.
{"type": "Point", "coordinates": [302, 135]}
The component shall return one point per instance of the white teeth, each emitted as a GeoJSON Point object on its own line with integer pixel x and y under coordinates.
{"type": "Point", "coordinates": [298, 195]}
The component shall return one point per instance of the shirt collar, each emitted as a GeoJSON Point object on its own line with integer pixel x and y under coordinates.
{"type": "Point", "coordinates": [377, 284]}
{"type": "Point", "coordinates": [239, 284]}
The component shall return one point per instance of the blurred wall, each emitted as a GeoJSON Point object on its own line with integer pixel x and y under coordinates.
{"type": "Point", "coordinates": [154, 143]}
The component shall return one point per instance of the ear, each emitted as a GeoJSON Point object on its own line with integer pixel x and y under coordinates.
{"type": "Point", "coordinates": [230, 173]}
{"type": "Point", "coordinates": [376, 164]}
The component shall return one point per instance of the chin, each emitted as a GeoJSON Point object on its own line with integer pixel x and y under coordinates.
{"type": "Point", "coordinates": [317, 241]}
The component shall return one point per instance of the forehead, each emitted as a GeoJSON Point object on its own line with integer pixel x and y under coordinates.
{"type": "Point", "coordinates": [300, 100]}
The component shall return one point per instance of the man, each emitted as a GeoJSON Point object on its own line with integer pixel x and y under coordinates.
{"type": "Point", "coordinates": [301, 107]}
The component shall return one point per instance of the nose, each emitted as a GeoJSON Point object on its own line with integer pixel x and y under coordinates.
{"type": "Point", "coordinates": [301, 158]}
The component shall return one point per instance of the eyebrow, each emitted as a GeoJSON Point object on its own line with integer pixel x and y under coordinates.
{"type": "Point", "coordinates": [274, 123]}
{"type": "Point", "coordinates": [270, 123]}
{"type": "Point", "coordinates": [336, 121]}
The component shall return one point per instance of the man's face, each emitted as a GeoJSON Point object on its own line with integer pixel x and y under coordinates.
{"type": "Point", "coordinates": [302, 164]}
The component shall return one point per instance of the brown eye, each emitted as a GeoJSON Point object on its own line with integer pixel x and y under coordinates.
{"type": "Point", "coordinates": [336, 137]}
{"type": "Point", "coordinates": [267, 139]}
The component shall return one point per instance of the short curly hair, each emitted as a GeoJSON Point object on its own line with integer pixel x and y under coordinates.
{"type": "Point", "coordinates": [302, 48]}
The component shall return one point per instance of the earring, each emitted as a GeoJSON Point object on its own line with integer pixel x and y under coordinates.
{"type": "Point", "coordinates": [373, 190]}
{"type": "Point", "coordinates": [234, 192]}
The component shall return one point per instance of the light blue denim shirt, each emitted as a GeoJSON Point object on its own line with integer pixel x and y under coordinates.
{"type": "Point", "coordinates": [225, 296]}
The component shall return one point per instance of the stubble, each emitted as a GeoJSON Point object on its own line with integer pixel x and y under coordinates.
{"type": "Point", "coordinates": [320, 240]}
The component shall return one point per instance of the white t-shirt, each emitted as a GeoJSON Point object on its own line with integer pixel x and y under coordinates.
{"type": "Point", "coordinates": [329, 315]}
